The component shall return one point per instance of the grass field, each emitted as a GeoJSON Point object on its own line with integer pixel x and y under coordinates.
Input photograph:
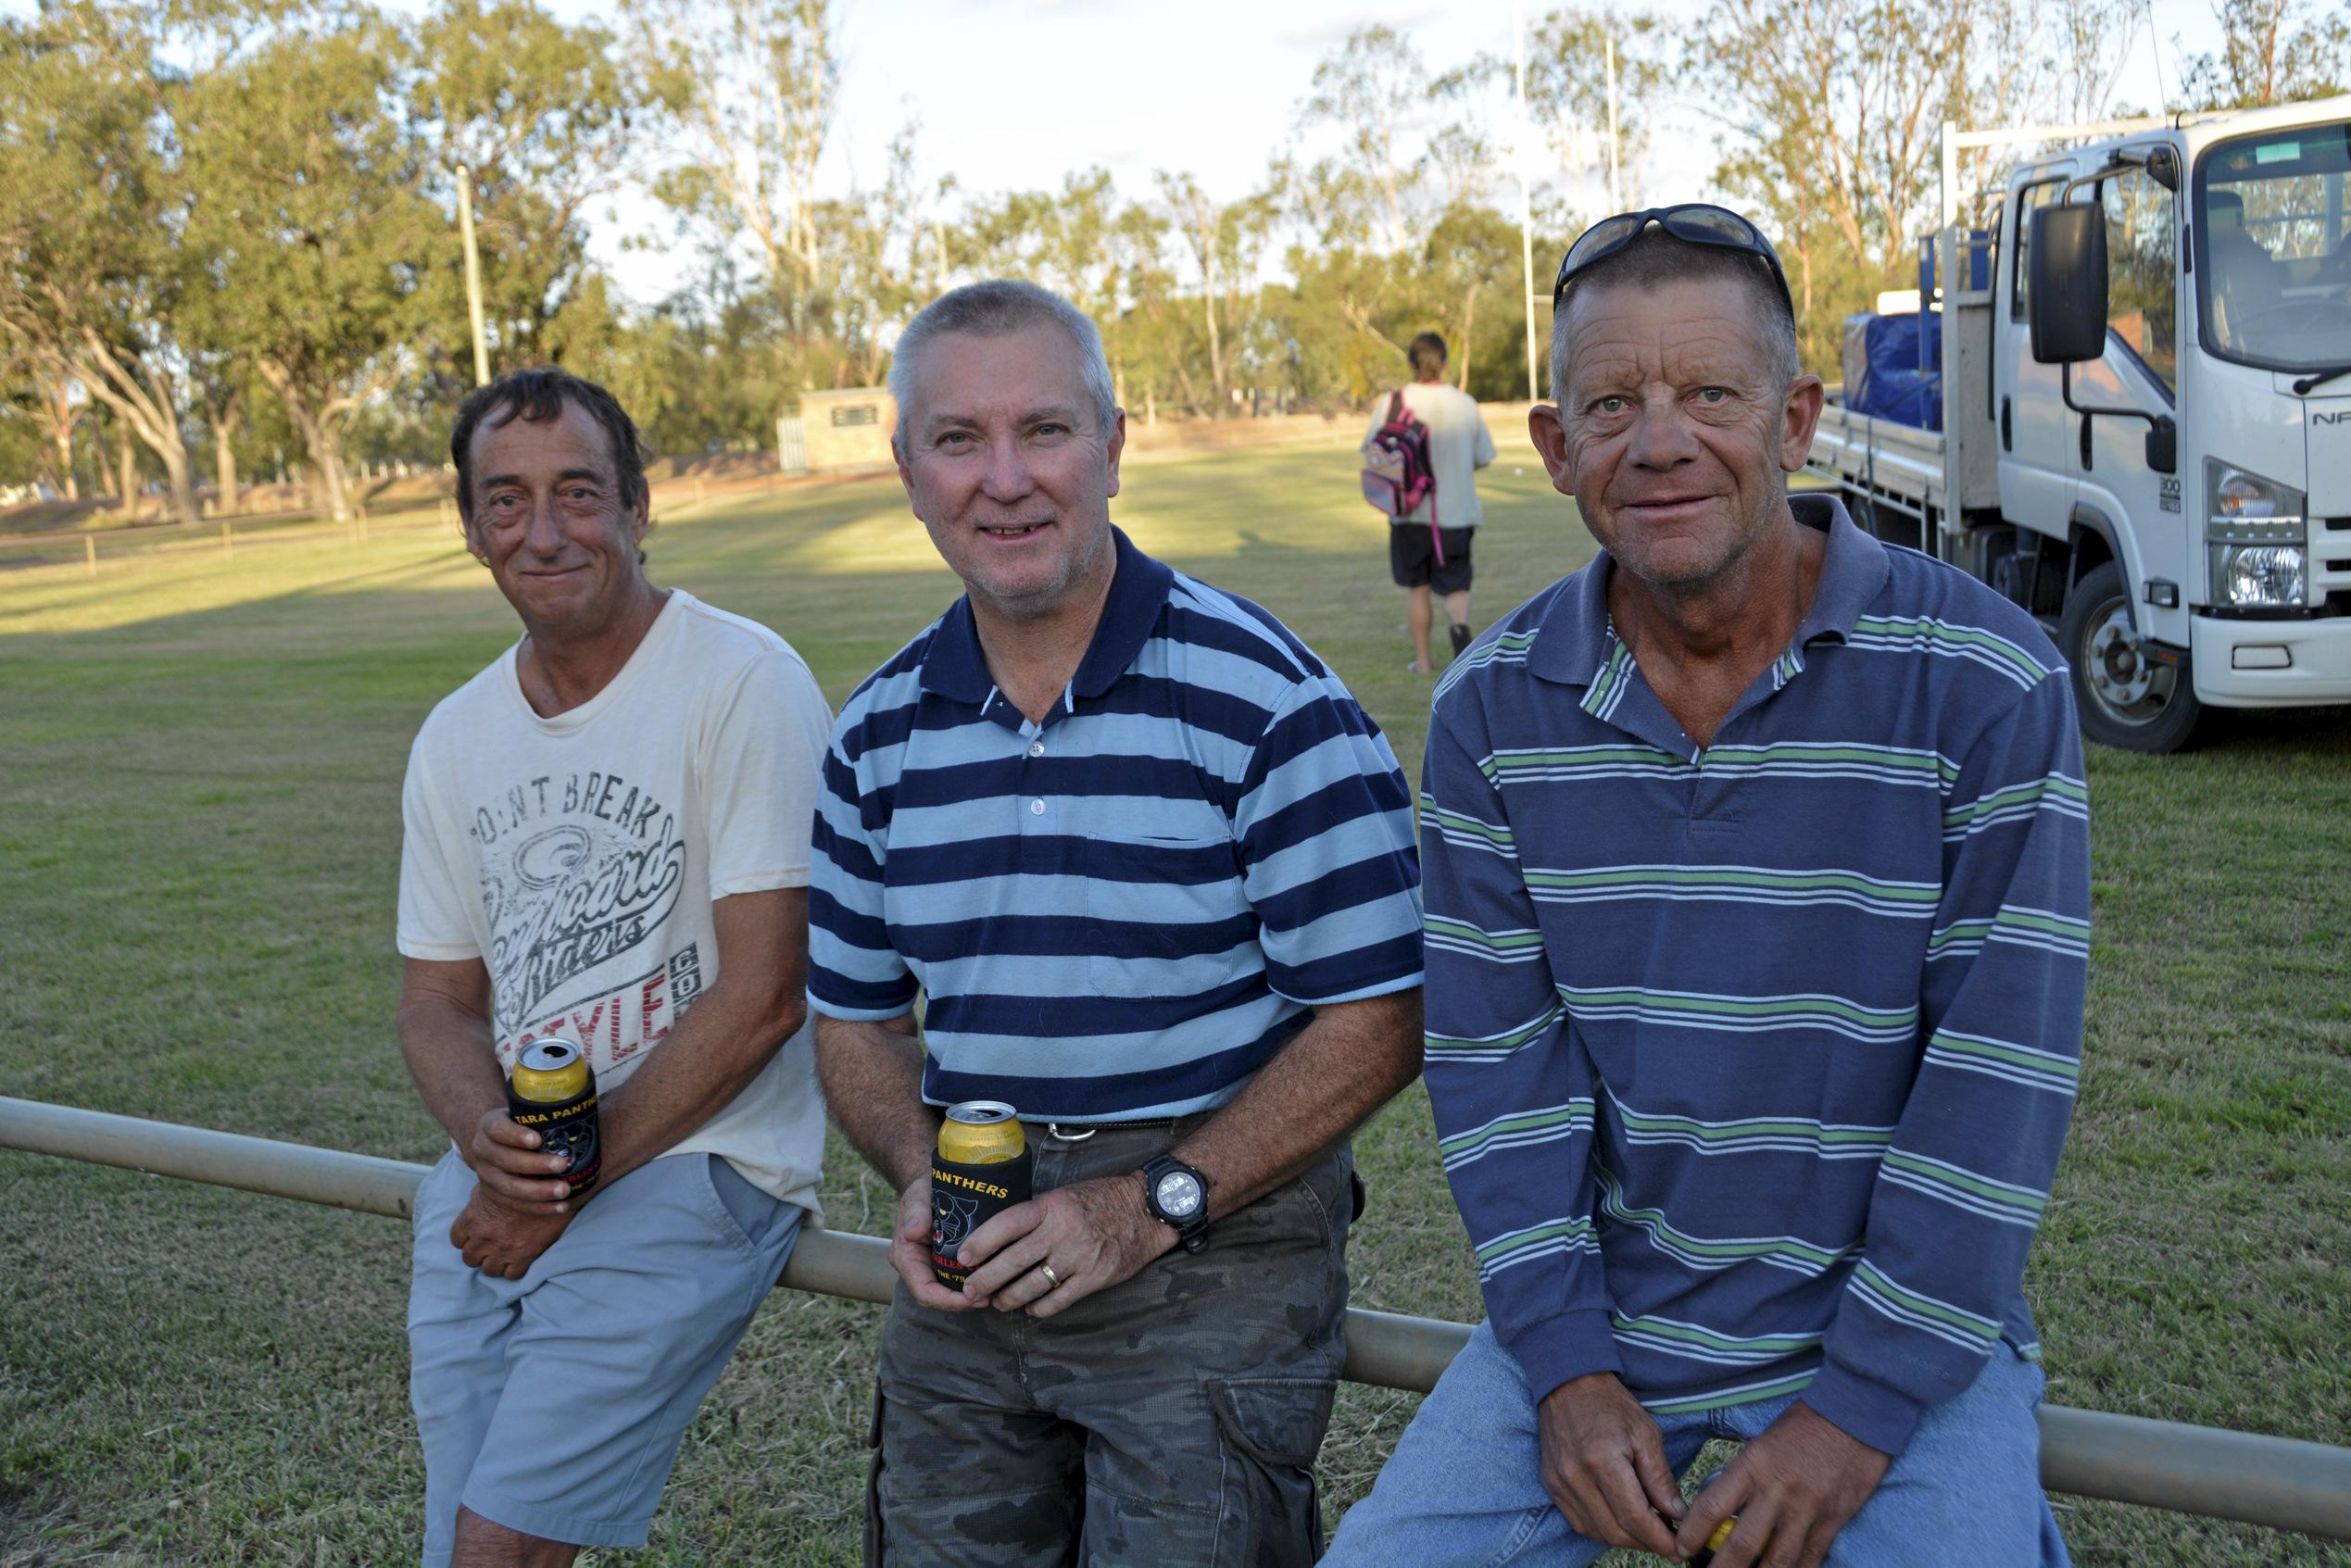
{"type": "Point", "coordinates": [200, 757]}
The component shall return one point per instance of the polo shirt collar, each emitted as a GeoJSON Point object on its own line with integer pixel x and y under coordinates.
{"type": "Point", "coordinates": [955, 668]}
{"type": "Point", "coordinates": [1572, 646]}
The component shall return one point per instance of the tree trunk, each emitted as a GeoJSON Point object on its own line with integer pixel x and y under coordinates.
{"type": "Point", "coordinates": [178, 474]}
{"type": "Point", "coordinates": [224, 457]}
{"type": "Point", "coordinates": [60, 416]}
{"type": "Point", "coordinates": [127, 455]}
{"type": "Point", "coordinates": [322, 435]}
{"type": "Point", "coordinates": [68, 483]}
{"type": "Point", "coordinates": [141, 394]}
{"type": "Point", "coordinates": [101, 451]}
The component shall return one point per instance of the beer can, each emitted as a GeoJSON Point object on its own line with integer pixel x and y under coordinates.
{"type": "Point", "coordinates": [1714, 1543]}
{"type": "Point", "coordinates": [552, 1092]}
{"type": "Point", "coordinates": [982, 1168]}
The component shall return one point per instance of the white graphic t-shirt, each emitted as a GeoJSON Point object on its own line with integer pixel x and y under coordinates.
{"type": "Point", "coordinates": [578, 857]}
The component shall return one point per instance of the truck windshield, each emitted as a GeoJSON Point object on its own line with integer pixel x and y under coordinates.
{"type": "Point", "coordinates": [2273, 258]}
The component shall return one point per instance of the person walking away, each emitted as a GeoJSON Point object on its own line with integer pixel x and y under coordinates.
{"type": "Point", "coordinates": [1459, 445]}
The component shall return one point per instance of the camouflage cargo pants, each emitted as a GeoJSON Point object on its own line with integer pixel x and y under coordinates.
{"type": "Point", "coordinates": [1172, 1420]}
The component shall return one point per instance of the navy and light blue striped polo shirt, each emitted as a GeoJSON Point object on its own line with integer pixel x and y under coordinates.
{"type": "Point", "coordinates": [1125, 910]}
{"type": "Point", "coordinates": [1751, 1062]}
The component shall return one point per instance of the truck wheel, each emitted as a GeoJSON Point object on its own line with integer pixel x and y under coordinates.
{"type": "Point", "coordinates": [2126, 699]}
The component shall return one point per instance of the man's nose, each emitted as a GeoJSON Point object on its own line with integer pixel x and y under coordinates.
{"type": "Point", "coordinates": [545, 535]}
{"type": "Point", "coordinates": [1661, 436]}
{"type": "Point", "coordinates": [1007, 478]}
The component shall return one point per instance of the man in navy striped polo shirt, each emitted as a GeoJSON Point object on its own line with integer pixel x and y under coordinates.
{"type": "Point", "coordinates": [1757, 916]}
{"type": "Point", "coordinates": [1150, 870]}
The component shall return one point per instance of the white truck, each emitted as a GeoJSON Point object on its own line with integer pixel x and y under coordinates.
{"type": "Point", "coordinates": [2146, 411]}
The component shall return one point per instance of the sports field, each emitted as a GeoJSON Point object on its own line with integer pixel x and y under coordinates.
{"type": "Point", "coordinates": [200, 758]}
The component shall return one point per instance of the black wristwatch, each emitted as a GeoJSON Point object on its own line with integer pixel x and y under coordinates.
{"type": "Point", "coordinates": [1177, 1197]}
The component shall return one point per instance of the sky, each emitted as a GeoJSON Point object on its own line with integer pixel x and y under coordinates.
{"type": "Point", "coordinates": [1014, 94]}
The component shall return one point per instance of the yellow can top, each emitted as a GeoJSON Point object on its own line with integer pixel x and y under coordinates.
{"type": "Point", "coordinates": [981, 1132]}
{"type": "Point", "coordinates": [549, 1072]}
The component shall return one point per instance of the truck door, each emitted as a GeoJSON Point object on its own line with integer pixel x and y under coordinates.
{"type": "Point", "coordinates": [2141, 371]}
{"type": "Point", "coordinates": [2036, 468]}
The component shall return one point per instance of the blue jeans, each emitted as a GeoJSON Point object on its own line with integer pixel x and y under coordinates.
{"type": "Point", "coordinates": [1464, 1488]}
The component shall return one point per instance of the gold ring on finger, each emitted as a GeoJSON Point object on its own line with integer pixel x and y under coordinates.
{"type": "Point", "coordinates": [1052, 1279]}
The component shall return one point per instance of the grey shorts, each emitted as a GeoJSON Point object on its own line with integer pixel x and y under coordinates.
{"type": "Point", "coordinates": [555, 1404]}
{"type": "Point", "coordinates": [1172, 1419]}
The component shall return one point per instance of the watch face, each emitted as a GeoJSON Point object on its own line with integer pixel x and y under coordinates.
{"type": "Point", "coordinates": [1179, 1194]}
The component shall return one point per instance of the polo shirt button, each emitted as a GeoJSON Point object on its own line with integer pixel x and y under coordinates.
{"type": "Point", "coordinates": [1037, 749]}
{"type": "Point", "coordinates": [1036, 808]}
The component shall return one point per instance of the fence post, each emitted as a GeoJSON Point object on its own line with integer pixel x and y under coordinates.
{"type": "Point", "coordinates": [89, 555]}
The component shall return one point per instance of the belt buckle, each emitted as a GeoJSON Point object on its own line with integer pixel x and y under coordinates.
{"type": "Point", "coordinates": [1070, 1135]}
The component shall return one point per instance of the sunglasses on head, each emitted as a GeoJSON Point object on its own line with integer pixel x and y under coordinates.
{"type": "Point", "coordinates": [1695, 223]}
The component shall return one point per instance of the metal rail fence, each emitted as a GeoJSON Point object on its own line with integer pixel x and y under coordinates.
{"type": "Point", "coordinates": [2278, 1481]}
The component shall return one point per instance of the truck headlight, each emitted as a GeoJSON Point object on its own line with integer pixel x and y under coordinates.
{"type": "Point", "coordinates": [2258, 576]}
{"type": "Point", "coordinates": [2257, 538]}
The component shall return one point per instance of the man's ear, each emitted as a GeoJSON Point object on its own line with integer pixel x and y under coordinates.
{"type": "Point", "coordinates": [1799, 417]}
{"type": "Point", "coordinates": [1550, 443]}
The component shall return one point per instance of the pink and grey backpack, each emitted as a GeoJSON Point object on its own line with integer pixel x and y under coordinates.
{"type": "Point", "coordinates": [1398, 475]}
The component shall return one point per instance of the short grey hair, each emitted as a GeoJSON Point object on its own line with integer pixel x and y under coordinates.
{"type": "Point", "coordinates": [991, 310]}
{"type": "Point", "coordinates": [1654, 259]}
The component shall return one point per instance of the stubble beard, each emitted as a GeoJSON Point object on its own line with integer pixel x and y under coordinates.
{"type": "Point", "coordinates": [1043, 600]}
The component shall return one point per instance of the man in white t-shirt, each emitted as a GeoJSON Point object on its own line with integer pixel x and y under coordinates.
{"type": "Point", "coordinates": [606, 840]}
{"type": "Point", "coordinates": [1459, 445]}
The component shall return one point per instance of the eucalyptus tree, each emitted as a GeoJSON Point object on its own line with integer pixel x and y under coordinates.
{"type": "Point", "coordinates": [2271, 52]}
{"type": "Point", "coordinates": [93, 264]}
{"type": "Point", "coordinates": [547, 117]}
{"type": "Point", "coordinates": [315, 222]}
{"type": "Point", "coordinates": [750, 88]}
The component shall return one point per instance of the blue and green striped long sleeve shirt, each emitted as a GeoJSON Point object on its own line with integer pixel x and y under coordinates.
{"type": "Point", "coordinates": [1751, 1063]}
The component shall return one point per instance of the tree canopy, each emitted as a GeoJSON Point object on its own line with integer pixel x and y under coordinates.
{"type": "Point", "coordinates": [227, 227]}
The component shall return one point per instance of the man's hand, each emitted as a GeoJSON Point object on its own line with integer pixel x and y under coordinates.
{"type": "Point", "coordinates": [910, 1251]}
{"type": "Point", "coordinates": [1793, 1488]}
{"type": "Point", "coordinates": [1091, 1233]}
{"type": "Point", "coordinates": [505, 1160]}
{"type": "Point", "coordinates": [499, 1238]}
{"type": "Point", "coordinates": [1604, 1465]}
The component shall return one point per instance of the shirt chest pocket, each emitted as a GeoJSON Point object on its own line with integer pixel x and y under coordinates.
{"type": "Point", "coordinates": [1163, 915]}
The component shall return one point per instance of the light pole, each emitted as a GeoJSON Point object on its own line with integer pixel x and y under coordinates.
{"type": "Point", "coordinates": [1526, 202]}
{"type": "Point", "coordinates": [472, 275]}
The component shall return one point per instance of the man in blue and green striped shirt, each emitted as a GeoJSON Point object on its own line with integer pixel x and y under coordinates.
{"type": "Point", "coordinates": [1757, 891]}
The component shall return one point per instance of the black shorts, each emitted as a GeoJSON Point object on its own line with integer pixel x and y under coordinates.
{"type": "Point", "coordinates": [1411, 559]}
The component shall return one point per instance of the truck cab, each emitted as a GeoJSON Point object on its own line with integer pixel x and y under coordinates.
{"type": "Point", "coordinates": [2155, 459]}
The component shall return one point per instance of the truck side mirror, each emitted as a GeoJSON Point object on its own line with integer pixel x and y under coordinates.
{"type": "Point", "coordinates": [2068, 304]}
{"type": "Point", "coordinates": [2163, 445]}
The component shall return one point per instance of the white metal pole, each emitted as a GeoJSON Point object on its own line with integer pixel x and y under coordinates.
{"type": "Point", "coordinates": [1616, 177]}
{"type": "Point", "coordinates": [2281, 1482]}
{"type": "Point", "coordinates": [1526, 201]}
{"type": "Point", "coordinates": [472, 275]}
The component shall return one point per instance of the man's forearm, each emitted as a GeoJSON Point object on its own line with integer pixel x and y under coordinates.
{"type": "Point", "coordinates": [453, 1057]}
{"type": "Point", "coordinates": [872, 1078]}
{"type": "Point", "coordinates": [711, 1056]}
{"type": "Point", "coordinates": [1319, 1087]}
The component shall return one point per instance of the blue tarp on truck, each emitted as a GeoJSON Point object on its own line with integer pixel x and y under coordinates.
{"type": "Point", "coordinates": [1894, 368]}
